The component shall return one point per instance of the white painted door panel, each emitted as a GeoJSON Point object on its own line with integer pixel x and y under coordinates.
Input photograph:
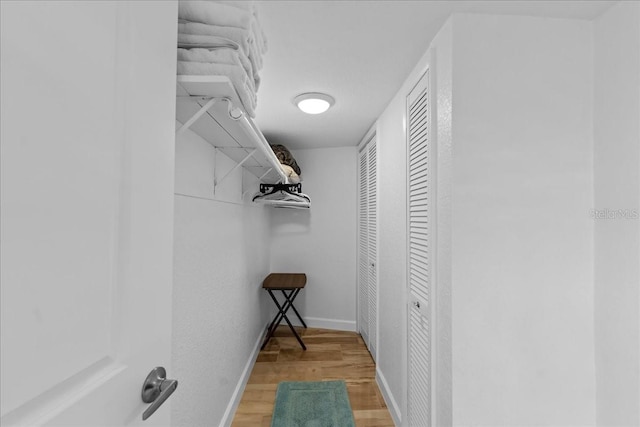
{"type": "Point", "coordinates": [88, 106]}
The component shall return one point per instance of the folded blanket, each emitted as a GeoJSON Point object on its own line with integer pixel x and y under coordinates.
{"type": "Point", "coordinates": [218, 56]}
{"type": "Point", "coordinates": [235, 73]}
{"type": "Point", "coordinates": [244, 38]}
{"type": "Point", "coordinates": [284, 156]}
{"type": "Point", "coordinates": [292, 176]}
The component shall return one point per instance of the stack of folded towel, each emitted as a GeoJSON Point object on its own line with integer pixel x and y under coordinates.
{"type": "Point", "coordinates": [222, 38]}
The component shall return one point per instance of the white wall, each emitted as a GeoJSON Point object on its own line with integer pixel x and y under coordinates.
{"type": "Point", "coordinates": [321, 241]}
{"type": "Point", "coordinates": [513, 340]}
{"type": "Point", "coordinates": [617, 240]}
{"type": "Point", "coordinates": [392, 254]}
{"type": "Point", "coordinates": [522, 237]}
{"type": "Point", "coordinates": [221, 257]}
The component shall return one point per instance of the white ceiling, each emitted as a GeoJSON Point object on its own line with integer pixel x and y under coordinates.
{"type": "Point", "coordinates": [359, 52]}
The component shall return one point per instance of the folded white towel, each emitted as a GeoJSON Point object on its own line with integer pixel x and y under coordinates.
{"type": "Point", "coordinates": [246, 5]}
{"type": "Point", "coordinates": [225, 15]}
{"type": "Point", "coordinates": [212, 42]}
{"type": "Point", "coordinates": [188, 41]}
{"type": "Point", "coordinates": [250, 6]}
{"type": "Point", "coordinates": [235, 73]}
{"type": "Point", "coordinates": [244, 38]}
{"type": "Point", "coordinates": [235, 34]}
{"type": "Point", "coordinates": [261, 38]}
{"type": "Point", "coordinates": [215, 13]}
{"type": "Point", "coordinates": [218, 56]}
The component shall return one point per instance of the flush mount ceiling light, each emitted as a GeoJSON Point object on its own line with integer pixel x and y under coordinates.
{"type": "Point", "coordinates": [313, 102]}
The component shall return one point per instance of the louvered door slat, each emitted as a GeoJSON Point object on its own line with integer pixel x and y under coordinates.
{"type": "Point", "coordinates": [420, 234]}
{"type": "Point", "coordinates": [418, 135]}
{"type": "Point", "coordinates": [419, 205]}
{"type": "Point", "coordinates": [419, 396]}
{"type": "Point", "coordinates": [418, 103]}
{"type": "Point", "coordinates": [421, 275]}
{"type": "Point", "coordinates": [419, 158]}
{"type": "Point", "coordinates": [421, 188]}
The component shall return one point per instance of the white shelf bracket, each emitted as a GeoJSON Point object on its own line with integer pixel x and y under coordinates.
{"type": "Point", "coordinates": [186, 125]}
{"type": "Point", "coordinates": [238, 165]}
{"type": "Point", "coordinates": [233, 127]}
{"type": "Point", "coordinates": [265, 174]}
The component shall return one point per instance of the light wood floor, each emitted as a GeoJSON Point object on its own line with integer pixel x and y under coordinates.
{"type": "Point", "coordinates": [330, 355]}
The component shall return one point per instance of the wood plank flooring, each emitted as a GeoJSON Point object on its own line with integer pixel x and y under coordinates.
{"type": "Point", "coordinates": [330, 355]}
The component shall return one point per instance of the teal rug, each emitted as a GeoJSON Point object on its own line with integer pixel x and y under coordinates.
{"type": "Point", "coordinates": [312, 404]}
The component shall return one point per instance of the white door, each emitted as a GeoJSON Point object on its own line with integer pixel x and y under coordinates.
{"type": "Point", "coordinates": [367, 246]}
{"type": "Point", "coordinates": [420, 231]}
{"type": "Point", "coordinates": [88, 110]}
{"type": "Point", "coordinates": [372, 245]}
{"type": "Point", "coordinates": [363, 245]}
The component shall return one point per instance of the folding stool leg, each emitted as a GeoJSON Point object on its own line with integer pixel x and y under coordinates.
{"type": "Point", "coordinates": [293, 306]}
{"type": "Point", "coordinates": [282, 314]}
{"type": "Point", "coordinates": [281, 311]}
{"type": "Point", "coordinates": [304, 347]}
{"type": "Point", "coordinates": [275, 322]}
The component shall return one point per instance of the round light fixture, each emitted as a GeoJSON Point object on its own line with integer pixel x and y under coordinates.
{"type": "Point", "coordinates": [313, 102]}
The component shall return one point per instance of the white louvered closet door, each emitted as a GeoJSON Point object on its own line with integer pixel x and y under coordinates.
{"type": "Point", "coordinates": [372, 230]}
{"type": "Point", "coordinates": [367, 247]}
{"type": "Point", "coordinates": [420, 230]}
{"type": "Point", "coordinates": [363, 245]}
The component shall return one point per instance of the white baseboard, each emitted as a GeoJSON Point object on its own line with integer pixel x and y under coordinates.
{"type": "Point", "coordinates": [388, 398]}
{"type": "Point", "coordinates": [318, 322]}
{"type": "Point", "coordinates": [227, 418]}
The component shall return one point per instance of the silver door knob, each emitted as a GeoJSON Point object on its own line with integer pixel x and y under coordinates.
{"type": "Point", "coordinates": [156, 389]}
